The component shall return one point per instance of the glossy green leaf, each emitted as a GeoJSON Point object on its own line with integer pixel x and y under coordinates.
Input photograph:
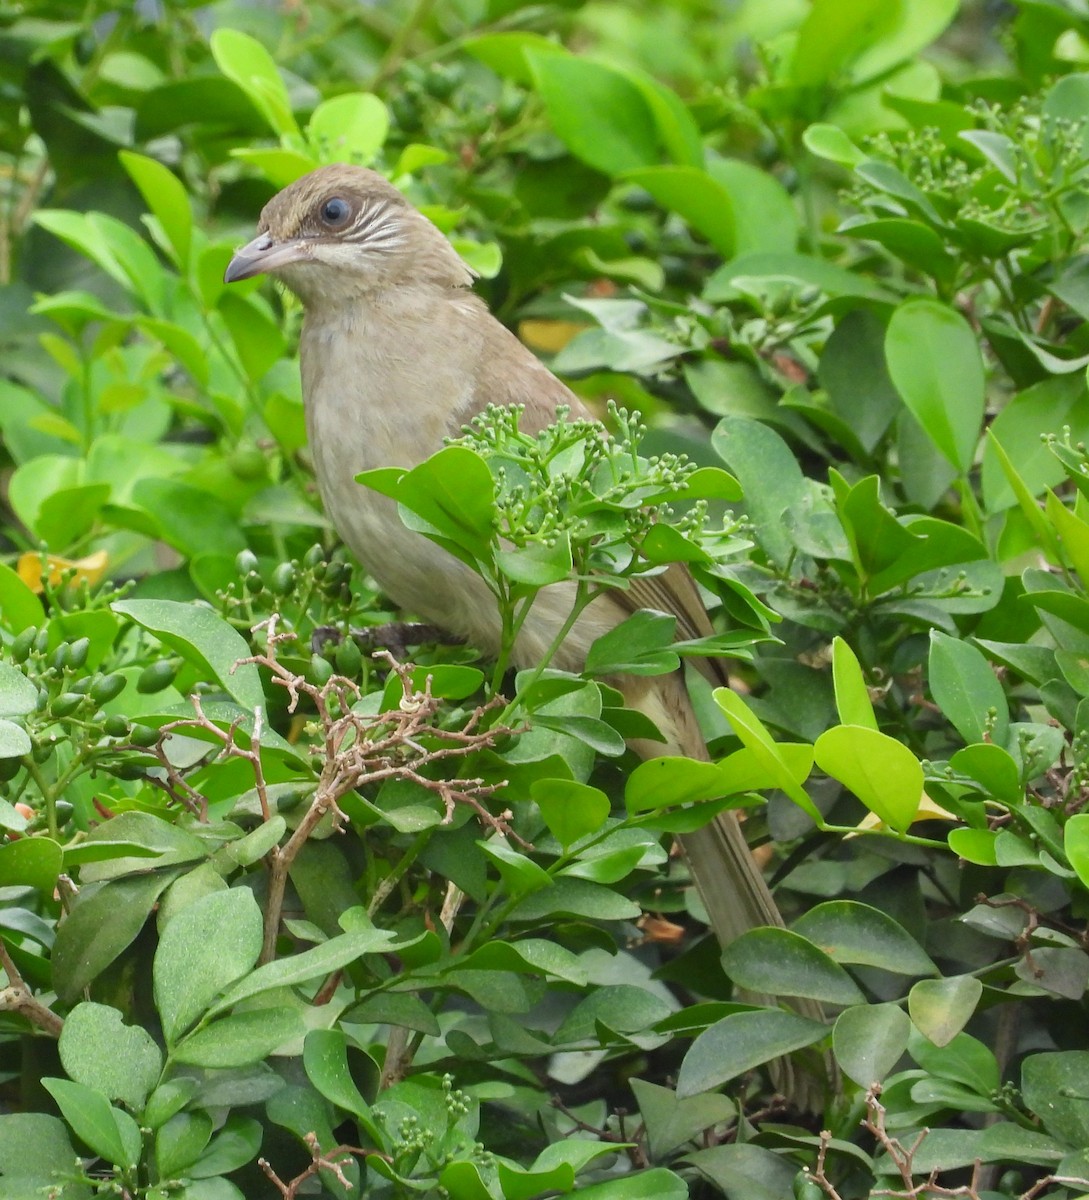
{"type": "Point", "coordinates": [180, 1142]}
{"type": "Point", "coordinates": [317, 962]}
{"type": "Point", "coordinates": [325, 1059]}
{"type": "Point", "coordinates": [700, 200]}
{"type": "Point", "coordinates": [857, 934]}
{"type": "Point", "coordinates": [756, 738]}
{"type": "Point", "coordinates": [109, 1132]}
{"type": "Point", "coordinates": [601, 115]}
{"type": "Point", "coordinates": [740, 1042]}
{"type": "Point", "coordinates": [245, 61]}
{"type": "Point", "coordinates": [852, 695]}
{"type": "Point", "coordinates": [571, 810]}
{"type": "Point", "coordinates": [104, 921]}
{"type": "Point", "coordinates": [934, 360]}
{"type": "Point", "coordinates": [166, 197]}
{"type": "Point", "coordinates": [204, 638]}
{"type": "Point", "coordinates": [349, 128]}
{"type": "Point", "coordinates": [661, 782]}
{"type": "Point", "coordinates": [868, 1041]}
{"type": "Point", "coordinates": [967, 690]}
{"type": "Point", "coordinates": [882, 772]}
{"type": "Point", "coordinates": [778, 962]}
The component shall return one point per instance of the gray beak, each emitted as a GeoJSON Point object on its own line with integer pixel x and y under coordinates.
{"type": "Point", "coordinates": [262, 255]}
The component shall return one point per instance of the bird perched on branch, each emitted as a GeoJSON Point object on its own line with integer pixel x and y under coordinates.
{"type": "Point", "coordinates": [397, 354]}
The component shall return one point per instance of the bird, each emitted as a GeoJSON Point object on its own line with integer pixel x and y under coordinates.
{"type": "Point", "coordinates": [397, 353]}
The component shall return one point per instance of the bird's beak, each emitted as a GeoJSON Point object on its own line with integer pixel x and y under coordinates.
{"type": "Point", "coordinates": [262, 255]}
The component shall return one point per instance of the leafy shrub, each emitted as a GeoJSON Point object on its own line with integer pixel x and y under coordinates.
{"type": "Point", "coordinates": [416, 928]}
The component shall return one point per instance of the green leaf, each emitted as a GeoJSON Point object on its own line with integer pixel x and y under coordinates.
{"type": "Point", "coordinates": [993, 767]}
{"type": "Point", "coordinates": [780, 963]}
{"type": "Point", "coordinates": [505, 53]}
{"type": "Point", "coordinates": [325, 1058]}
{"type": "Point", "coordinates": [519, 873]}
{"type": "Point", "coordinates": [245, 61]}
{"type": "Point", "coordinates": [857, 934]}
{"type": "Point", "coordinates": [237, 1143]}
{"type": "Point", "coordinates": [101, 924]}
{"type": "Point", "coordinates": [934, 360]}
{"type": "Point", "coordinates": [852, 695]}
{"type": "Point", "coordinates": [670, 1122]}
{"type": "Point", "coordinates": [740, 1042]}
{"type": "Point", "coordinates": [109, 1132]}
{"type": "Point", "coordinates": [576, 898]}
{"type": "Point", "coordinates": [639, 645]}
{"type": "Point", "coordinates": [868, 1041]}
{"type": "Point", "coordinates": [453, 492]}
{"type": "Point", "coordinates": [180, 1142]}
{"type": "Point", "coordinates": [1076, 845]}
{"type": "Point", "coordinates": [763, 214]}
{"type": "Point", "coordinates": [204, 638]}
{"type": "Point", "coordinates": [770, 478]}
{"type": "Point", "coordinates": [966, 690]}
{"type": "Point", "coordinates": [321, 960]}
{"type": "Point", "coordinates": [663, 782]}
{"type": "Point", "coordinates": [1053, 1087]}
{"type": "Point", "coordinates": [349, 128]}
{"type": "Point", "coordinates": [602, 115]}
{"type": "Point", "coordinates": [19, 606]}
{"type": "Point", "coordinates": [240, 1039]}
{"type": "Point", "coordinates": [31, 862]}
{"type": "Point", "coordinates": [759, 742]}
{"type": "Point", "coordinates": [831, 143]}
{"type": "Point", "coordinates": [36, 1156]}
{"type": "Point", "coordinates": [14, 740]}
{"type": "Point", "coordinates": [256, 337]}
{"type": "Point", "coordinates": [571, 810]}
{"type": "Point", "coordinates": [703, 202]}
{"type": "Point", "coordinates": [188, 978]}
{"type": "Point", "coordinates": [100, 1051]}
{"type": "Point", "coordinates": [166, 197]}
{"type": "Point", "coordinates": [940, 1008]}
{"type": "Point", "coordinates": [882, 772]}
{"type": "Point", "coordinates": [974, 846]}
{"type": "Point", "coordinates": [964, 1060]}
{"type": "Point", "coordinates": [830, 36]}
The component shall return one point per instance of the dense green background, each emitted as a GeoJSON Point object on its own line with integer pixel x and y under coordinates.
{"type": "Point", "coordinates": [835, 247]}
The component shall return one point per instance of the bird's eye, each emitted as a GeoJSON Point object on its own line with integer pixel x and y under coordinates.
{"type": "Point", "coordinates": [335, 211]}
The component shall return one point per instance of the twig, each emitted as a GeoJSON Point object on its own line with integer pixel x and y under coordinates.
{"type": "Point", "coordinates": [17, 997]}
{"type": "Point", "coordinates": [319, 1162]}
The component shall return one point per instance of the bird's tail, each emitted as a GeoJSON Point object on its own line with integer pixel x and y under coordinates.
{"type": "Point", "coordinates": [727, 877]}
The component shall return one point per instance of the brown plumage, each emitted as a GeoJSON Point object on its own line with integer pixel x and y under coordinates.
{"type": "Point", "coordinates": [397, 354]}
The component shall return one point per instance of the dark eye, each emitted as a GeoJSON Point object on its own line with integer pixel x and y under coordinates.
{"type": "Point", "coordinates": [335, 211]}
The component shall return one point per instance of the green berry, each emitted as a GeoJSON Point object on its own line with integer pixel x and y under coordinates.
{"type": "Point", "coordinates": [78, 651]}
{"type": "Point", "coordinates": [116, 726]}
{"type": "Point", "coordinates": [283, 579]}
{"type": "Point", "coordinates": [321, 670]}
{"type": "Point", "coordinates": [313, 556]}
{"type": "Point", "coordinates": [156, 676]}
{"type": "Point", "coordinates": [348, 658]}
{"type": "Point", "coordinates": [66, 704]}
{"type": "Point", "coordinates": [246, 562]}
{"type": "Point", "coordinates": [106, 687]}
{"type": "Point", "coordinates": [143, 735]}
{"type": "Point", "coordinates": [21, 647]}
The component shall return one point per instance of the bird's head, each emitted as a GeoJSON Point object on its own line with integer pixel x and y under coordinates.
{"type": "Point", "coordinates": [342, 233]}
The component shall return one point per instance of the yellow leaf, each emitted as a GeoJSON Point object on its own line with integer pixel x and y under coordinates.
{"type": "Point", "coordinates": [92, 568]}
{"type": "Point", "coordinates": [549, 336]}
{"type": "Point", "coordinates": [928, 810]}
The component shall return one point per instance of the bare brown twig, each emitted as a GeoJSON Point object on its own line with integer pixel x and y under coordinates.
{"type": "Point", "coordinates": [357, 749]}
{"type": "Point", "coordinates": [17, 997]}
{"type": "Point", "coordinates": [332, 1160]}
